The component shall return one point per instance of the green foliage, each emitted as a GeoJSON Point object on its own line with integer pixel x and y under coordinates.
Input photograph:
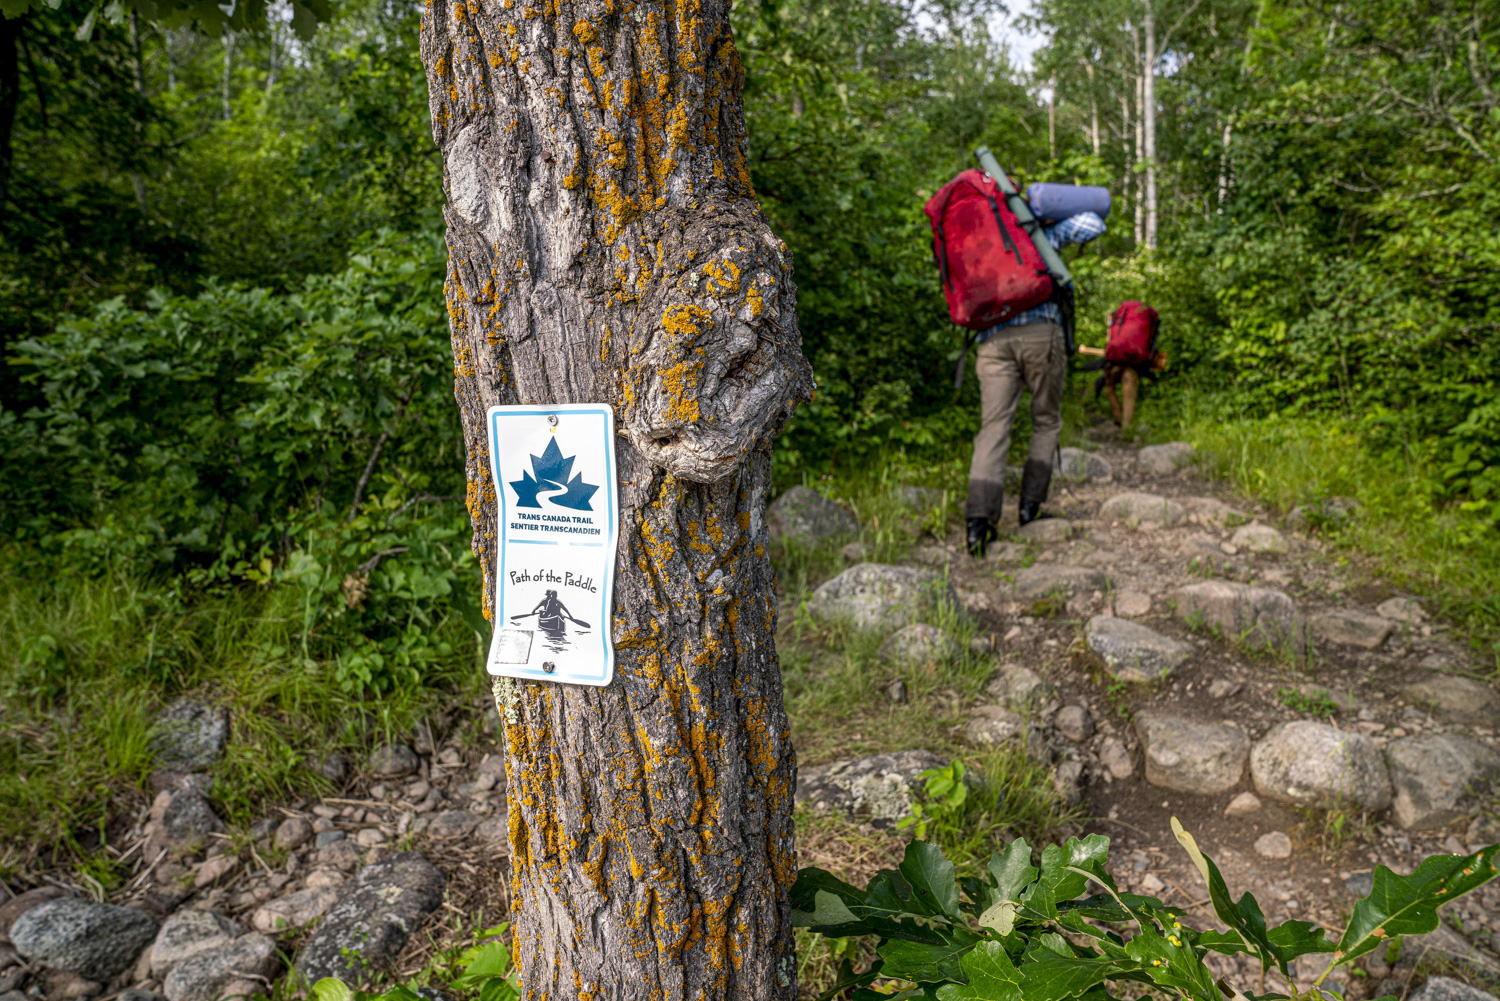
{"type": "Point", "coordinates": [946, 793]}
{"type": "Point", "coordinates": [1018, 930]}
{"type": "Point", "coordinates": [488, 975]}
{"type": "Point", "coordinates": [1313, 704]}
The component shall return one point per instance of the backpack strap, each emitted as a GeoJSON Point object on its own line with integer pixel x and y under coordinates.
{"type": "Point", "coordinates": [1010, 244]}
{"type": "Point", "coordinates": [963, 356]}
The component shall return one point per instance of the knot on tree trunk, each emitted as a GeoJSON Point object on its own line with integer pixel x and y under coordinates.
{"type": "Point", "coordinates": [716, 365]}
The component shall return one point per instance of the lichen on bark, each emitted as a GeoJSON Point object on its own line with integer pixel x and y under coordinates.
{"type": "Point", "coordinates": [606, 245]}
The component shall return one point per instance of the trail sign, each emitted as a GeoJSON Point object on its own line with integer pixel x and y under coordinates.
{"type": "Point", "coordinates": [554, 474]}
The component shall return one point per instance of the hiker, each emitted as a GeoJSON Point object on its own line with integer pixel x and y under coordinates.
{"type": "Point", "coordinates": [1130, 355]}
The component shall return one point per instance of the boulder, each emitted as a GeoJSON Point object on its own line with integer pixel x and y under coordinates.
{"type": "Point", "coordinates": [1137, 509]}
{"type": "Point", "coordinates": [452, 824]}
{"type": "Point", "coordinates": [1044, 530]}
{"type": "Point", "coordinates": [188, 735]}
{"type": "Point", "coordinates": [97, 941]}
{"type": "Point", "coordinates": [1043, 579]}
{"type": "Point", "coordinates": [1165, 459]}
{"type": "Point", "coordinates": [1074, 723]}
{"type": "Point", "coordinates": [876, 594]}
{"type": "Point", "coordinates": [375, 914]}
{"type": "Point", "coordinates": [1132, 604]}
{"type": "Point", "coordinates": [805, 516]}
{"type": "Point", "coordinates": [204, 976]}
{"type": "Point", "coordinates": [1448, 989]}
{"type": "Point", "coordinates": [294, 910]}
{"type": "Point", "coordinates": [392, 761]}
{"type": "Point", "coordinates": [1315, 764]}
{"type": "Point", "coordinates": [1438, 778]}
{"type": "Point", "coordinates": [1258, 616]}
{"type": "Point", "coordinates": [1075, 464]}
{"type": "Point", "coordinates": [1258, 538]}
{"type": "Point", "coordinates": [1455, 699]}
{"type": "Point", "coordinates": [919, 645]}
{"type": "Point", "coordinates": [1212, 512]}
{"type": "Point", "coordinates": [1349, 628]}
{"type": "Point", "coordinates": [1402, 610]}
{"type": "Point", "coordinates": [876, 789]}
{"type": "Point", "coordinates": [1131, 651]}
{"type": "Point", "coordinates": [187, 822]}
{"type": "Point", "coordinates": [293, 833]}
{"type": "Point", "coordinates": [1018, 687]}
{"type": "Point", "coordinates": [23, 902]}
{"type": "Point", "coordinates": [186, 934]}
{"type": "Point", "coordinates": [1204, 759]}
{"type": "Point", "coordinates": [1335, 512]}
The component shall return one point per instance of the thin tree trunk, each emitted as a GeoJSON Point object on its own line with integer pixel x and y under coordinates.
{"type": "Point", "coordinates": [1125, 133]}
{"type": "Point", "coordinates": [606, 245]}
{"type": "Point", "coordinates": [1224, 163]}
{"type": "Point", "coordinates": [271, 68]}
{"type": "Point", "coordinates": [1140, 202]}
{"type": "Point", "coordinates": [1052, 118]}
{"type": "Point", "coordinates": [1148, 113]}
{"type": "Point", "coordinates": [1093, 109]}
{"type": "Point", "coordinates": [228, 72]}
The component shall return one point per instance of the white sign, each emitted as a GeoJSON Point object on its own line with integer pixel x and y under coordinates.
{"type": "Point", "coordinates": [554, 469]}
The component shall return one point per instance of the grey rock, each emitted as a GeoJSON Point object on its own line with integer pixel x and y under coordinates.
{"type": "Point", "coordinates": [326, 838]}
{"type": "Point", "coordinates": [1067, 780]}
{"type": "Point", "coordinates": [1224, 688]}
{"type": "Point", "coordinates": [1455, 699]}
{"type": "Point", "coordinates": [1348, 628]}
{"type": "Point", "coordinates": [918, 645]}
{"type": "Point", "coordinates": [392, 761]}
{"type": "Point", "coordinates": [1043, 579]}
{"type": "Point", "coordinates": [1204, 759]}
{"type": "Point", "coordinates": [1438, 778]}
{"type": "Point", "coordinates": [60, 985]}
{"type": "Point", "coordinates": [895, 690]}
{"type": "Point", "coordinates": [188, 821]}
{"type": "Point", "coordinates": [1360, 885]}
{"type": "Point", "coordinates": [1335, 512]}
{"type": "Point", "coordinates": [136, 994]}
{"type": "Point", "coordinates": [97, 941]}
{"type": "Point", "coordinates": [917, 497]}
{"type": "Point", "coordinates": [1274, 845]}
{"type": "Point", "coordinates": [1167, 458]}
{"type": "Point", "coordinates": [876, 789]}
{"type": "Point", "coordinates": [376, 913]}
{"type": "Point", "coordinates": [1077, 465]}
{"type": "Point", "coordinates": [1115, 757]}
{"type": "Point", "coordinates": [188, 735]}
{"type": "Point", "coordinates": [1206, 556]}
{"type": "Point", "coordinates": [1018, 687]}
{"type": "Point", "coordinates": [493, 768]}
{"type": "Point", "coordinates": [1133, 652]}
{"type": "Point", "coordinates": [1075, 723]}
{"type": "Point", "coordinates": [331, 766]}
{"type": "Point", "coordinates": [495, 831]}
{"type": "Point", "coordinates": [1314, 764]}
{"type": "Point", "coordinates": [295, 910]}
{"type": "Point", "coordinates": [202, 976]}
{"type": "Point", "coordinates": [855, 552]}
{"type": "Point", "coordinates": [1131, 604]}
{"type": "Point", "coordinates": [803, 515]}
{"type": "Point", "coordinates": [1258, 616]}
{"type": "Point", "coordinates": [1246, 804]}
{"type": "Point", "coordinates": [1213, 512]}
{"type": "Point", "coordinates": [186, 934]}
{"type": "Point", "coordinates": [996, 725]}
{"type": "Point", "coordinates": [1448, 989]}
{"type": "Point", "coordinates": [23, 902]}
{"type": "Point", "coordinates": [1137, 509]}
{"type": "Point", "coordinates": [1445, 943]}
{"type": "Point", "coordinates": [1258, 538]}
{"type": "Point", "coordinates": [452, 824]}
{"type": "Point", "coordinates": [1046, 530]}
{"type": "Point", "coordinates": [877, 594]}
{"type": "Point", "coordinates": [1402, 610]}
{"type": "Point", "coordinates": [293, 833]}
{"type": "Point", "coordinates": [342, 854]}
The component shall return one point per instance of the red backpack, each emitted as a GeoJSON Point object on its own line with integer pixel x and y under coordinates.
{"type": "Point", "coordinates": [990, 267]}
{"type": "Point", "coordinates": [1132, 334]}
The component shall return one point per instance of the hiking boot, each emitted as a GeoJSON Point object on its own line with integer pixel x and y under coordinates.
{"type": "Point", "coordinates": [981, 533]}
{"type": "Point", "coordinates": [1031, 511]}
{"type": "Point", "coordinates": [1036, 478]}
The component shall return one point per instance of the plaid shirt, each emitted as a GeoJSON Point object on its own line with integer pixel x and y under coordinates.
{"type": "Point", "coordinates": [1081, 228]}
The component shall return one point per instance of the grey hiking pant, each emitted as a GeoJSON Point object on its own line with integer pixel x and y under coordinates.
{"type": "Point", "coordinates": [1033, 357]}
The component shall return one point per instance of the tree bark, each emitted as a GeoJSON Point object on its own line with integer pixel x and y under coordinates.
{"type": "Point", "coordinates": [606, 245]}
{"type": "Point", "coordinates": [1093, 110]}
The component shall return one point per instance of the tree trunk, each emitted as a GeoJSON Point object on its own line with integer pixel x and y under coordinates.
{"type": "Point", "coordinates": [605, 245]}
{"type": "Point", "coordinates": [1052, 117]}
{"type": "Point", "coordinates": [1140, 146]}
{"type": "Point", "coordinates": [1148, 119]}
{"type": "Point", "coordinates": [1093, 110]}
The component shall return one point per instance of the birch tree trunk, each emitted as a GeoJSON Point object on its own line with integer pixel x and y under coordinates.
{"type": "Point", "coordinates": [1148, 119]}
{"type": "Point", "coordinates": [606, 245]}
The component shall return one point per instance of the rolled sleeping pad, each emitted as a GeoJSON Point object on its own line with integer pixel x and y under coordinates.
{"type": "Point", "coordinates": [1053, 202]}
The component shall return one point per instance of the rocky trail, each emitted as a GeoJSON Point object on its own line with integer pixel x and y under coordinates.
{"type": "Point", "coordinates": [1171, 650]}
{"type": "Point", "coordinates": [1165, 649]}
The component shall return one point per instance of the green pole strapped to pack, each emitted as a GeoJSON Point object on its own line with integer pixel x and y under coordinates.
{"type": "Point", "coordinates": [1055, 266]}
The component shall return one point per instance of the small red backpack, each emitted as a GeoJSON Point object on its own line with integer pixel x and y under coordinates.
{"type": "Point", "coordinates": [1132, 334]}
{"type": "Point", "coordinates": [991, 269]}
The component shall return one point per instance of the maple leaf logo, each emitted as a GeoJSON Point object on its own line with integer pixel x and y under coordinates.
{"type": "Point", "coordinates": [552, 471]}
